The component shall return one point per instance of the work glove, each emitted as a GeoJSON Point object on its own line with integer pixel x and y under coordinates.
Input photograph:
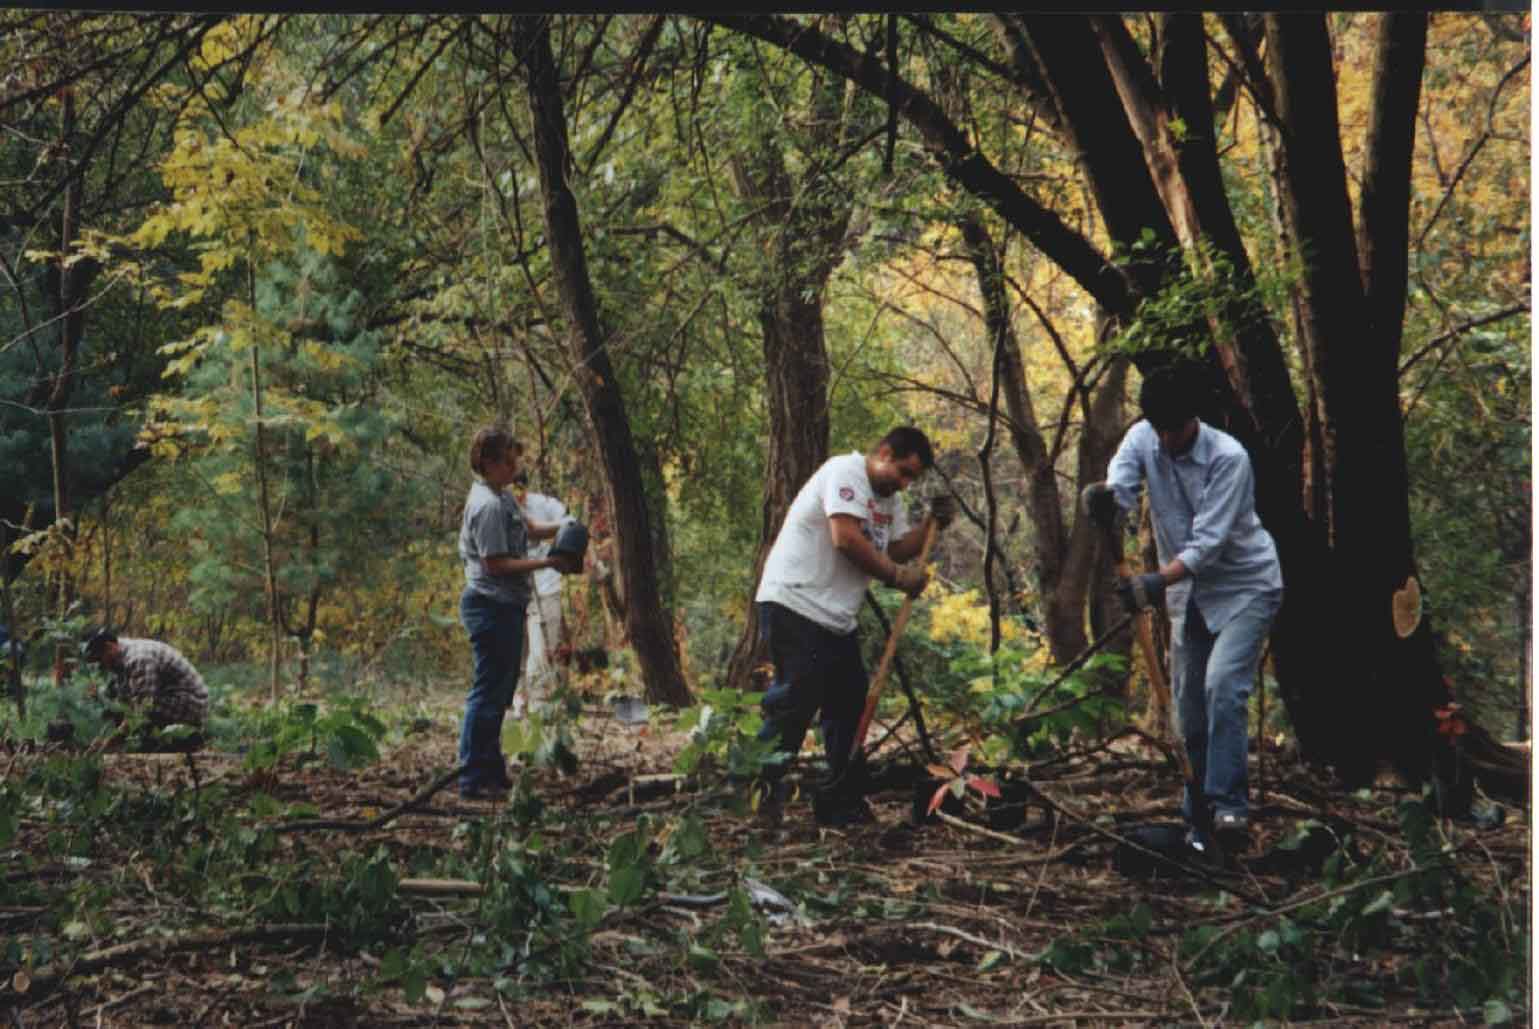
{"type": "Point", "coordinates": [911, 579]}
{"type": "Point", "coordinates": [1100, 503]}
{"type": "Point", "coordinates": [1141, 591]}
{"type": "Point", "coordinates": [943, 509]}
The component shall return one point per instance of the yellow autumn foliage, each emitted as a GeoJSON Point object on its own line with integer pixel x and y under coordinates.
{"type": "Point", "coordinates": [964, 617]}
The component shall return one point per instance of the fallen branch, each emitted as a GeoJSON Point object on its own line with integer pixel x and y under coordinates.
{"type": "Point", "coordinates": [118, 1002]}
{"type": "Point", "coordinates": [978, 940]}
{"type": "Point", "coordinates": [1340, 891]}
{"type": "Point", "coordinates": [1186, 866]}
{"type": "Point", "coordinates": [440, 887]}
{"type": "Point", "coordinates": [343, 825]}
{"type": "Point", "coordinates": [160, 946]}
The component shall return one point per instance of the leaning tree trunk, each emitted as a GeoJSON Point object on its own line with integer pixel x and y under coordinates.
{"type": "Point", "coordinates": [648, 624]}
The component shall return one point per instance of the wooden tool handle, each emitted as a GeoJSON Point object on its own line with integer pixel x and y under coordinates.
{"type": "Point", "coordinates": [1144, 632]}
{"type": "Point", "coordinates": [892, 647]}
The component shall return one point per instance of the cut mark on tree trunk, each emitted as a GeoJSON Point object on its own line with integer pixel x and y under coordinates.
{"type": "Point", "coordinates": [1407, 607]}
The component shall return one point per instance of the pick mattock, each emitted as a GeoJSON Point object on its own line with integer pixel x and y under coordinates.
{"type": "Point", "coordinates": [898, 624]}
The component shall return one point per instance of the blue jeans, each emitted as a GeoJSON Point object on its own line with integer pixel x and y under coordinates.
{"type": "Point", "coordinates": [1213, 676]}
{"type": "Point", "coordinates": [496, 634]}
{"type": "Point", "coordinates": [815, 669]}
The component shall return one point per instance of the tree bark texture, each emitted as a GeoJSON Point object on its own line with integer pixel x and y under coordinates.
{"type": "Point", "coordinates": [648, 623]}
{"type": "Point", "coordinates": [806, 228]}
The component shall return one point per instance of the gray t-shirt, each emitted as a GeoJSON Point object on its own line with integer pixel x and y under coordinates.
{"type": "Point", "coordinates": [493, 527]}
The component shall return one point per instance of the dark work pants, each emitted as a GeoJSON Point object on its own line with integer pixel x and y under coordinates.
{"type": "Point", "coordinates": [815, 669]}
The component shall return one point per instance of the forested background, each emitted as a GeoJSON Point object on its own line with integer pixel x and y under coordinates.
{"type": "Point", "coordinates": [264, 275]}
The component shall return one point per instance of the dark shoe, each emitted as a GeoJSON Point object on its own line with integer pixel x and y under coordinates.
{"type": "Point", "coordinates": [843, 815]}
{"type": "Point", "coordinates": [491, 792]}
{"type": "Point", "coordinates": [768, 799]}
{"type": "Point", "coordinates": [1199, 851]}
{"type": "Point", "coordinates": [1232, 834]}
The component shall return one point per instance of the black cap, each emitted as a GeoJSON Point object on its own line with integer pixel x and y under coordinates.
{"type": "Point", "coordinates": [96, 641]}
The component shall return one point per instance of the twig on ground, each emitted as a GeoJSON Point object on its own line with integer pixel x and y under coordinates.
{"type": "Point", "coordinates": [1000, 946]}
{"type": "Point", "coordinates": [1186, 991]}
{"type": "Point", "coordinates": [1341, 891]}
{"type": "Point", "coordinates": [160, 946]}
{"type": "Point", "coordinates": [1014, 841]}
{"type": "Point", "coordinates": [118, 1002]}
{"type": "Point", "coordinates": [343, 825]}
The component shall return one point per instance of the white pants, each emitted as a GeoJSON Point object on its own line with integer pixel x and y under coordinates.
{"type": "Point", "coordinates": [543, 636]}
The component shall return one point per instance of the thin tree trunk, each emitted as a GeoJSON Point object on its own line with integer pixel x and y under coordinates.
{"type": "Point", "coordinates": [264, 503]}
{"type": "Point", "coordinates": [1063, 625]}
{"type": "Point", "coordinates": [648, 623]}
{"type": "Point", "coordinates": [69, 283]}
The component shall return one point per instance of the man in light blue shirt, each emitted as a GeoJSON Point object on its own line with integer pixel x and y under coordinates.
{"type": "Point", "coordinates": [1219, 578]}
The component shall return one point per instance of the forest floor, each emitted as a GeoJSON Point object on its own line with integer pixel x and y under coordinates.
{"type": "Point", "coordinates": [948, 923]}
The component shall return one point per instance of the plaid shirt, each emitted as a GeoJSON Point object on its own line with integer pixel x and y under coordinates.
{"type": "Point", "coordinates": [157, 675]}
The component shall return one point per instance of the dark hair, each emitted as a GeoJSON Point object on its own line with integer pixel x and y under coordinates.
{"type": "Point", "coordinates": [95, 641]}
{"type": "Point", "coordinates": [1171, 395]}
{"type": "Point", "coordinates": [906, 440]}
{"type": "Point", "coordinates": [490, 444]}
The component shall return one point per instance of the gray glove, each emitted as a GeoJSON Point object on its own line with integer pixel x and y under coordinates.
{"type": "Point", "coordinates": [911, 579]}
{"type": "Point", "coordinates": [1100, 503]}
{"type": "Point", "coordinates": [943, 509]}
{"type": "Point", "coordinates": [1140, 591]}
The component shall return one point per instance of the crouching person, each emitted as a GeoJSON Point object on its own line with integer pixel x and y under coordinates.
{"type": "Point", "coordinates": [153, 680]}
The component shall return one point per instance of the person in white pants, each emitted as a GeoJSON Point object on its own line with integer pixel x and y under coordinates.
{"type": "Point", "coordinates": [544, 617]}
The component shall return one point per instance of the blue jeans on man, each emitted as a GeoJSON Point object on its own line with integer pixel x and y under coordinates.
{"type": "Point", "coordinates": [816, 669]}
{"type": "Point", "coordinates": [1212, 684]}
{"type": "Point", "coordinates": [496, 631]}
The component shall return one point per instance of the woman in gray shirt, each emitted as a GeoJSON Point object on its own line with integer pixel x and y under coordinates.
{"type": "Point", "coordinates": [494, 545]}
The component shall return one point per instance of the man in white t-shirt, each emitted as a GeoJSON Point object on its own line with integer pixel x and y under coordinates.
{"type": "Point", "coordinates": [544, 617]}
{"type": "Point", "coordinates": [846, 526]}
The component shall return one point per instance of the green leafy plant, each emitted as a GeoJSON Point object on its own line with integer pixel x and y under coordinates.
{"type": "Point", "coordinates": [723, 734]}
{"type": "Point", "coordinates": [343, 731]}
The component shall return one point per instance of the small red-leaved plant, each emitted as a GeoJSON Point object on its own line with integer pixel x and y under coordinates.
{"type": "Point", "coordinates": [957, 780]}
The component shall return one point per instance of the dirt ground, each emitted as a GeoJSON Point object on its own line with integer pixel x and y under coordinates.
{"type": "Point", "coordinates": [889, 923]}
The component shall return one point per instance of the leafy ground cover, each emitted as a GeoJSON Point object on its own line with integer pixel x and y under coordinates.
{"type": "Point", "coordinates": [329, 878]}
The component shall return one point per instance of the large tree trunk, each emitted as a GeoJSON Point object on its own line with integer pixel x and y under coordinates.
{"type": "Point", "coordinates": [1350, 316]}
{"type": "Point", "coordinates": [648, 624]}
{"type": "Point", "coordinates": [808, 232]}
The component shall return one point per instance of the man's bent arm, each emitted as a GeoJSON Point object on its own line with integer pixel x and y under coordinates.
{"type": "Point", "coordinates": [861, 552]}
{"type": "Point", "coordinates": [911, 544]}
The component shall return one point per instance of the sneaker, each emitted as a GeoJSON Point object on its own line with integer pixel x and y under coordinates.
{"type": "Point", "coordinates": [1232, 833]}
{"type": "Point", "coordinates": [1196, 850]}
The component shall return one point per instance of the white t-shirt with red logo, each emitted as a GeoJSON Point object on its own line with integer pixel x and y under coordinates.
{"type": "Point", "coordinates": [803, 571]}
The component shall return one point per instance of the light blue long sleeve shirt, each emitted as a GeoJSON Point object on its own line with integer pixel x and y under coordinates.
{"type": "Point", "coordinates": [1203, 508]}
